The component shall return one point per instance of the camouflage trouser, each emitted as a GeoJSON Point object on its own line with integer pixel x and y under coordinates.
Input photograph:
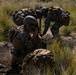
{"type": "Point", "coordinates": [16, 65]}
{"type": "Point", "coordinates": [16, 62]}
{"type": "Point", "coordinates": [17, 58]}
{"type": "Point", "coordinates": [55, 29]}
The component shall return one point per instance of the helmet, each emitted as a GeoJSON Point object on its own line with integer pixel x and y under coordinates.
{"type": "Point", "coordinates": [30, 20]}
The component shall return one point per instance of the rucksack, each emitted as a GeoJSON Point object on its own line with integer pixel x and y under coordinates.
{"type": "Point", "coordinates": [16, 42]}
{"type": "Point", "coordinates": [13, 32]}
{"type": "Point", "coordinates": [60, 15]}
{"type": "Point", "coordinates": [55, 10]}
{"type": "Point", "coordinates": [18, 16]}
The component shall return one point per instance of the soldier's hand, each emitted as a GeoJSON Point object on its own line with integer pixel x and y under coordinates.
{"type": "Point", "coordinates": [39, 38]}
{"type": "Point", "coordinates": [35, 32]}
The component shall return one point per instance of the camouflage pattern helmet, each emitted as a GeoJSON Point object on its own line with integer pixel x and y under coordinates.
{"type": "Point", "coordinates": [30, 20]}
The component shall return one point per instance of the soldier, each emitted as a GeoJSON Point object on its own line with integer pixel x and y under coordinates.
{"type": "Point", "coordinates": [59, 17]}
{"type": "Point", "coordinates": [24, 42]}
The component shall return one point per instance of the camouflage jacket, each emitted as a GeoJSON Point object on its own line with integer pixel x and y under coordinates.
{"type": "Point", "coordinates": [23, 42]}
{"type": "Point", "coordinates": [28, 40]}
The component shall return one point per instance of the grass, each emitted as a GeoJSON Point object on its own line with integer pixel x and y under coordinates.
{"type": "Point", "coordinates": [66, 30]}
{"type": "Point", "coordinates": [65, 58]}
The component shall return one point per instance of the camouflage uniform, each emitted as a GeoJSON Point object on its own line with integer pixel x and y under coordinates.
{"type": "Point", "coordinates": [59, 18]}
{"type": "Point", "coordinates": [23, 43]}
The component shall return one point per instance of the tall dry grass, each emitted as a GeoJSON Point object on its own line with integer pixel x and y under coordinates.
{"type": "Point", "coordinates": [65, 58]}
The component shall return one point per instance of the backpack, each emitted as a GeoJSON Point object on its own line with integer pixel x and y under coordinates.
{"type": "Point", "coordinates": [13, 32]}
{"type": "Point", "coordinates": [18, 16]}
{"type": "Point", "coordinates": [16, 42]}
{"type": "Point", "coordinates": [58, 14]}
{"type": "Point", "coordinates": [55, 10]}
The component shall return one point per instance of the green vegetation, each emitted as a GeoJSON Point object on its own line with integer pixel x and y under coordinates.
{"type": "Point", "coordinates": [65, 57]}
